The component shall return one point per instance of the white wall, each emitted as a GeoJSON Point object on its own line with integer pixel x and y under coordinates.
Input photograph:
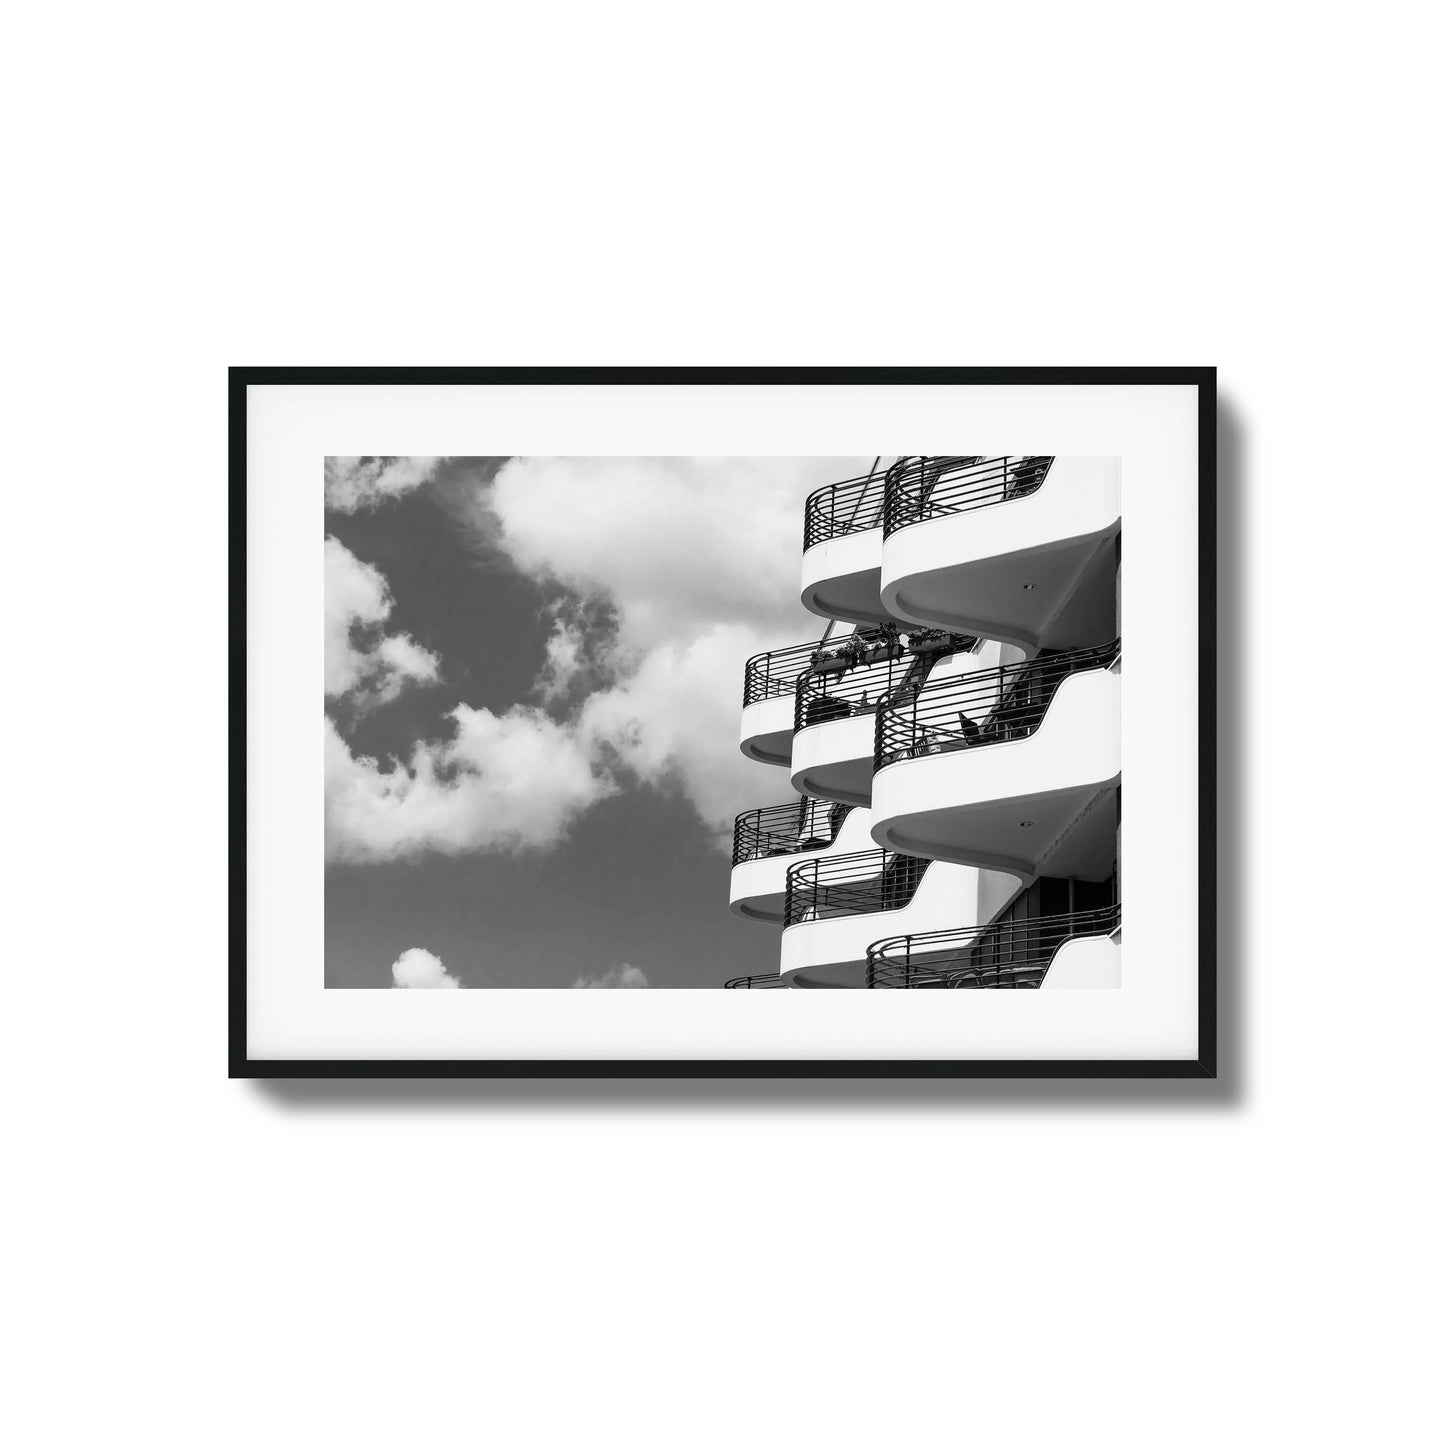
{"type": "Point", "coordinates": [196, 1260]}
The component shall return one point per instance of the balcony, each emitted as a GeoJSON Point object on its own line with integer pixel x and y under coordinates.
{"type": "Point", "coordinates": [757, 980]}
{"type": "Point", "coordinates": [834, 910]}
{"type": "Point", "coordinates": [769, 687]}
{"type": "Point", "coordinates": [1071, 950]}
{"type": "Point", "coordinates": [1006, 769]}
{"type": "Point", "coordinates": [836, 698]}
{"type": "Point", "coordinates": [843, 549]}
{"type": "Point", "coordinates": [767, 841]}
{"type": "Point", "coordinates": [1017, 548]}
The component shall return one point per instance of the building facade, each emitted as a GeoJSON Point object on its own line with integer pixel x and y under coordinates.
{"type": "Point", "coordinates": [952, 739]}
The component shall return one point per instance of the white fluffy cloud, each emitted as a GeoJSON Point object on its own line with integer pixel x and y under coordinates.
{"type": "Point", "coordinates": [577, 651]}
{"type": "Point", "coordinates": [697, 560]}
{"type": "Point", "coordinates": [625, 975]}
{"type": "Point", "coordinates": [361, 659]}
{"type": "Point", "coordinates": [355, 483]}
{"type": "Point", "coordinates": [417, 968]}
{"type": "Point", "coordinates": [676, 544]}
{"type": "Point", "coordinates": [514, 780]}
{"type": "Point", "coordinates": [672, 719]}
{"type": "Point", "coordinates": [693, 564]}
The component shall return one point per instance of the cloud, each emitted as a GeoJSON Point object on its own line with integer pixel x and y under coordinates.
{"type": "Point", "coordinates": [417, 968]}
{"type": "Point", "coordinates": [363, 661]}
{"type": "Point", "coordinates": [514, 780]}
{"type": "Point", "coordinates": [696, 563]}
{"type": "Point", "coordinates": [625, 975]}
{"type": "Point", "coordinates": [672, 573]}
{"type": "Point", "coordinates": [674, 544]}
{"type": "Point", "coordinates": [577, 650]}
{"type": "Point", "coordinates": [565, 648]}
{"type": "Point", "coordinates": [672, 720]}
{"type": "Point", "coordinates": [357, 483]}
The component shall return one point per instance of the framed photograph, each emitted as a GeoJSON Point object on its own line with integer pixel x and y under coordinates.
{"type": "Point", "coordinates": [647, 690]}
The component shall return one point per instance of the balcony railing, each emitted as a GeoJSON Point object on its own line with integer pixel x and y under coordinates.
{"type": "Point", "coordinates": [801, 826]}
{"type": "Point", "coordinates": [776, 673]}
{"type": "Point", "coordinates": [921, 488]}
{"type": "Point", "coordinates": [1014, 953]}
{"type": "Point", "coordinates": [756, 980]}
{"type": "Point", "coordinates": [978, 708]}
{"type": "Point", "coordinates": [864, 669]}
{"type": "Point", "coordinates": [874, 881]}
{"type": "Point", "coordinates": [855, 505]}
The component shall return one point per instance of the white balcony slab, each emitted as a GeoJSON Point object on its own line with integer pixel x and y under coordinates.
{"type": "Point", "coordinates": [833, 952]}
{"type": "Point", "coordinates": [767, 730]}
{"type": "Point", "coordinates": [1036, 571]}
{"type": "Point", "coordinates": [1087, 963]}
{"type": "Point", "coordinates": [841, 577]}
{"type": "Point", "coordinates": [834, 760]}
{"type": "Point", "coordinates": [1038, 803]}
{"type": "Point", "coordinates": [759, 886]}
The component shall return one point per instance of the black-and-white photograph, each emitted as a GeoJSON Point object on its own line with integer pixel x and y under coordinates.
{"type": "Point", "coordinates": [833, 722]}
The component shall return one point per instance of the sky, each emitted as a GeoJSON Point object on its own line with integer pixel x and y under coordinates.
{"type": "Point", "coordinates": [533, 686]}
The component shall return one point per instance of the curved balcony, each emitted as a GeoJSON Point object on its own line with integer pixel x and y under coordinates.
{"type": "Point", "coordinates": [1007, 768]}
{"type": "Point", "coordinates": [834, 910]}
{"type": "Point", "coordinates": [767, 841]}
{"type": "Point", "coordinates": [1013, 953]}
{"type": "Point", "coordinates": [757, 980]}
{"type": "Point", "coordinates": [769, 685]}
{"type": "Point", "coordinates": [1018, 548]}
{"type": "Point", "coordinates": [835, 702]}
{"type": "Point", "coordinates": [843, 549]}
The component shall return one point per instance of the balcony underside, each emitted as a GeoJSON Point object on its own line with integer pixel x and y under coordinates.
{"type": "Point", "coordinates": [1070, 833]}
{"type": "Point", "coordinates": [830, 975]}
{"type": "Point", "coordinates": [1058, 595]}
{"type": "Point", "coordinates": [834, 760]}
{"type": "Point", "coordinates": [767, 731]}
{"type": "Point", "coordinates": [841, 578]}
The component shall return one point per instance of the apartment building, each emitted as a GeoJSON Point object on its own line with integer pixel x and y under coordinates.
{"type": "Point", "coordinates": [951, 739]}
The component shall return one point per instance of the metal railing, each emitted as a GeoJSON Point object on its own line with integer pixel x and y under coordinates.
{"type": "Point", "coordinates": [995, 705]}
{"type": "Point", "coordinates": [1015, 953]}
{"type": "Point", "coordinates": [802, 826]}
{"type": "Point", "coordinates": [776, 673]}
{"type": "Point", "coordinates": [869, 667]}
{"type": "Point", "coordinates": [921, 488]}
{"type": "Point", "coordinates": [855, 505]}
{"type": "Point", "coordinates": [756, 980]}
{"type": "Point", "coordinates": [874, 881]}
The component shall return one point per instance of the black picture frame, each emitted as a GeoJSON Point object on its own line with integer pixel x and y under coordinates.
{"type": "Point", "coordinates": [1203, 1066]}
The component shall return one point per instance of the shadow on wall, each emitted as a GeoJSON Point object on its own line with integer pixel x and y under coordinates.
{"type": "Point", "coordinates": [725, 1096]}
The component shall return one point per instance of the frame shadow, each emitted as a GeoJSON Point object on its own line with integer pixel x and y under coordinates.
{"type": "Point", "coordinates": [1227, 1092]}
